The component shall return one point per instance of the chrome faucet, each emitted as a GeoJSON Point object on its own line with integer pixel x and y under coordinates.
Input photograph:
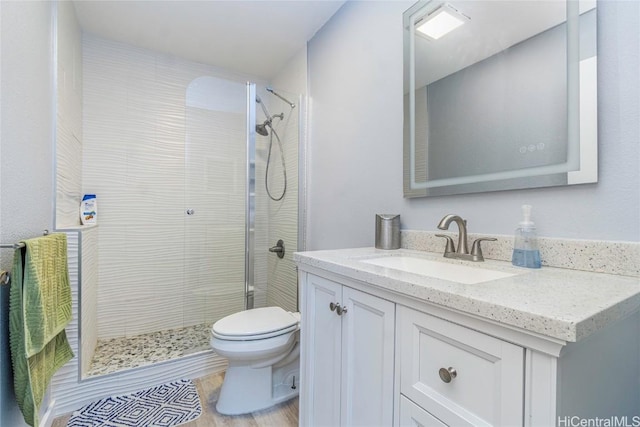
{"type": "Point", "coordinates": [462, 251]}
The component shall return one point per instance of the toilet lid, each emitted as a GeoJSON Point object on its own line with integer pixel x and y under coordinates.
{"type": "Point", "coordinates": [256, 322]}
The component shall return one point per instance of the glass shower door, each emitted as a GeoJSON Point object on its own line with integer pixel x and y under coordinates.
{"type": "Point", "coordinates": [215, 202]}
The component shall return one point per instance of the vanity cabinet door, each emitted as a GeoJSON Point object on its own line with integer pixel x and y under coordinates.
{"type": "Point", "coordinates": [368, 329]}
{"type": "Point", "coordinates": [460, 376]}
{"type": "Point", "coordinates": [320, 361]}
{"type": "Point", "coordinates": [347, 356]}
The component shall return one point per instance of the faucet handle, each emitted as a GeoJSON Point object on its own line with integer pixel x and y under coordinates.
{"type": "Point", "coordinates": [450, 247]}
{"type": "Point", "coordinates": [476, 250]}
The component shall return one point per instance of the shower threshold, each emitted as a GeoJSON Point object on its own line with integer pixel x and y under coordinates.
{"type": "Point", "coordinates": [116, 354]}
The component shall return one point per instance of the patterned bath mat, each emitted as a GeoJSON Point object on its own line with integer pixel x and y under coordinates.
{"type": "Point", "coordinates": [166, 405]}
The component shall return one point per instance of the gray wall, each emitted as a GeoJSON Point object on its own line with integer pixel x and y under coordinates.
{"type": "Point", "coordinates": [26, 151]}
{"type": "Point", "coordinates": [355, 165]}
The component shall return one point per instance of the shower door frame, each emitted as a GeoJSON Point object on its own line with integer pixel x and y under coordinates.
{"type": "Point", "coordinates": [250, 204]}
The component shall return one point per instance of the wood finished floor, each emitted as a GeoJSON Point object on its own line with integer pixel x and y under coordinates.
{"type": "Point", "coordinates": [282, 415]}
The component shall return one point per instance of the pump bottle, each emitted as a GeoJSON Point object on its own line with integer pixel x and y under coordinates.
{"type": "Point", "coordinates": [525, 244]}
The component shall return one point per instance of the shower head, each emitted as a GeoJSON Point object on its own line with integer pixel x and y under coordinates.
{"type": "Point", "coordinates": [262, 129]}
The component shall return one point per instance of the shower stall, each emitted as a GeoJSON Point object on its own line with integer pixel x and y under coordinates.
{"type": "Point", "coordinates": [196, 176]}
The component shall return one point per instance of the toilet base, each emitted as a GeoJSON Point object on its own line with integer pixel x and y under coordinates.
{"type": "Point", "coordinates": [246, 389]}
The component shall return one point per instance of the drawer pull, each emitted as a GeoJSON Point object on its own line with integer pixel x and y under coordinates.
{"type": "Point", "coordinates": [447, 375]}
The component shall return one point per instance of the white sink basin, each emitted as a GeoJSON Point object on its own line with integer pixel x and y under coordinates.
{"type": "Point", "coordinates": [439, 270]}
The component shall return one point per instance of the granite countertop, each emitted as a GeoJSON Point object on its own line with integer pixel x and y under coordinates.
{"type": "Point", "coordinates": [559, 303]}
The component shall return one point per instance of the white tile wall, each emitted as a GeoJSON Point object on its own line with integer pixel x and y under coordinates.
{"type": "Point", "coordinates": [134, 158]}
{"type": "Point", "coordinates": [88, 283]}
{"type": "Point", "coordinates": [283, 214]}
{"type": "Point", "coordinates": [158, 267]}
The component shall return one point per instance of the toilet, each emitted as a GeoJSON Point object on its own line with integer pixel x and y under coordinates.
{"type": "Point", "coordinates": [262, 345]}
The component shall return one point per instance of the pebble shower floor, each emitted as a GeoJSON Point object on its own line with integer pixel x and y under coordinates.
{"type": "Point", "coordinates": [117, 354]}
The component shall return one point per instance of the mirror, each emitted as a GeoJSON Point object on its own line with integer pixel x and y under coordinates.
{"type": "Point", "coordinates": [506, 100]}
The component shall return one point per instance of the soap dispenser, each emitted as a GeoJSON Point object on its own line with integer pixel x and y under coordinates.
{"type": "Point", "coordinates": [525, 245]}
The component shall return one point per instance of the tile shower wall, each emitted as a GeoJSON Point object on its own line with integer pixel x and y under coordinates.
{"type": "Point", "coordinates": [291, 212]}
{"type": "Point", "coordinates": [275, 279]}
{"type": "Point", "coordinates": [157, 268]}
{"type": "Point", "coordinates": [88, 284]}
{"type": "Point", "coordinates": [283, 214]}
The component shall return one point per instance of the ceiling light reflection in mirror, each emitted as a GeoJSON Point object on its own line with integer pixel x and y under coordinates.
{"type": "Point", "coordinates": [440, 22]}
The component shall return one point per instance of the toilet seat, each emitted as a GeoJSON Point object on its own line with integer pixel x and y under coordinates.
{"type": "Point", "coordinates": [255, 324]}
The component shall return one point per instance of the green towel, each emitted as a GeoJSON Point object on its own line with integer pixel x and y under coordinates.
{"type": "Point", "coordinates": [39, 310]}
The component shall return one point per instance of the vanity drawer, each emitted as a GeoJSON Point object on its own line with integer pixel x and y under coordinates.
{"type": "Point", "coordinates": [460, 376]}
{"type": "Point", "coordinates": [411, 415]}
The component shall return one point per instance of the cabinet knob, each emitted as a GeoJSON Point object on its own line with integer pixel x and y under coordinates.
{"type": "Point", "coordinates": [340, 310]}
{"type": "Point", "coordinates": [447, 375]}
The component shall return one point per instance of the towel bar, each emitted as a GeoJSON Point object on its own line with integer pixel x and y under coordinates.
{"type": "Point", "coordinates": [5, 277]}
{"type": "Point", "coordinates": [19, 244]}
{"type": "Point", "coordinates": [14, 246]}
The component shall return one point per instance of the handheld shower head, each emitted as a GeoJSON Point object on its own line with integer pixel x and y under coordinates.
{"type": "Point", "coordinates": [264, 108]}
{"type": "Point", "coordinates": [262, 129]}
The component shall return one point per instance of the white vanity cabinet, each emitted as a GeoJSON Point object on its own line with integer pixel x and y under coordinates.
{"type": "Point", "coordinates": [455, 375]}
{"type": "Point", "coordinates": [538, 349]}
{"type": "Point", "coordinates": [347, 356]}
